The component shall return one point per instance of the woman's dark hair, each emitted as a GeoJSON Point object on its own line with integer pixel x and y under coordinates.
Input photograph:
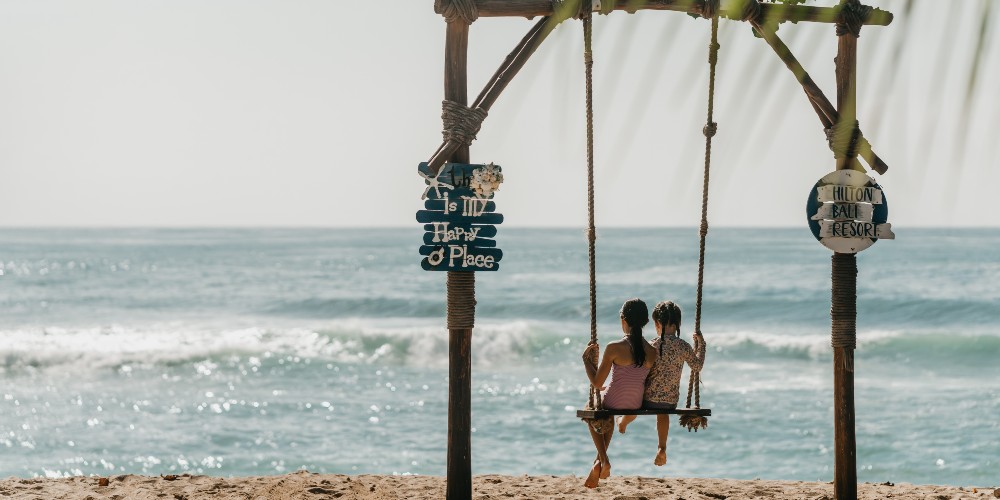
{"type": "Point", "coordinates": [636, 315]}
{"type": "Point", "coordinates": [667, 313]}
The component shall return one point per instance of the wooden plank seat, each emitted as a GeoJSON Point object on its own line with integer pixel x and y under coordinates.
{"type": "Point", "coordinates": [599, 414]}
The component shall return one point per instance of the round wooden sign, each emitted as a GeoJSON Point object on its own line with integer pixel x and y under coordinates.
{"type": "Point", "coordinates": [847, 211]}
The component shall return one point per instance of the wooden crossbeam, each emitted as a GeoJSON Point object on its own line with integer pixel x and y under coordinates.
{"type": "Point", "coordinates": [732, 9]}
{"type": "Point", "coordinates": [599, 414]}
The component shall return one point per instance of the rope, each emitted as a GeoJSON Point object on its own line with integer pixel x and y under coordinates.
{"type": "Point", "coordinates": [752, 11]}
{"type": "Point", "coordinates": [710, 9]}
{"type": "Point", "coordinates": [461, 300]}
{"type": "Point", "coordinates": [709, 130]}
{"type": "Point", "coordinates": [844, 139]}
{"type": "Point", "coordinates": [461, 123]}
{"type": "Point", "coordinates": [564, 9]}
{"type": "Point", "coordinates": [588, 63]}
{"type": "Point", "coordinates": [694, 422]}
{"type": "Point", "coordinates": [851, 17]}
{"type": "Point", "coordinates": [843, 308]}
{"type": "Point", "coordinates": [453, 10]}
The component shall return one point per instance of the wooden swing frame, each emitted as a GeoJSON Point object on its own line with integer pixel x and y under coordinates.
{"type": "Point", "coordinates": [841, 121]}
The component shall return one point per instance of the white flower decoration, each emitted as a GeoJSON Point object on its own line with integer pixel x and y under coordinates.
{"type": "Point", "coordinates": [485, 180]}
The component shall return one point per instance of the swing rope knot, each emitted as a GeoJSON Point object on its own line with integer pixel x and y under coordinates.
{"type": "Point", "coordinates": [461, 123]}
{"type": "Point", "coordinates": [710, 9]}
{"type": "Point", "coordinates": [710, 129]}
{"type": "Point", "coordinates": [564, 9]}
{"type": "Point", "coordinates": [843, 139]}
{"type": "Point", "coordinates": [453, 10]}
{"type": "Point", "coordinates": [713, 52]}
{"type": "Point", "coordinates": [752, 11]}
{"type": "Point", "coordinates": [851, 17]}
{"type": "Point", "coordinates": [703, 232]}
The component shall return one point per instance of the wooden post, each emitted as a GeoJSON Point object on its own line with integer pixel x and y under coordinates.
{"type": "Point", "coordinates": [460, 285]}
{"type": "Point", "coordinates": [843, 310]}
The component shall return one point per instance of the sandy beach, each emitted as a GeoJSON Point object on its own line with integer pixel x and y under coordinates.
{"type": "Point", "coordinates": [306, 485]}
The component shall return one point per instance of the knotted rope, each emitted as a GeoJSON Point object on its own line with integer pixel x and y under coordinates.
{"type": "Point", "coordinates": [563, 9]}
{"type": "Point", "coordinates": [453, 10]}
{"type": "Point", "coordinates": [844, 139]}
{"type": "Point", "coordinates": [588, 63]}
{"type": "Point", "coordinates": [694, 422]}
{"type": "Point", "coordinates": [461, 123]}
{"type": "Point", "coordinates": [852, 17]}
{"type": "Point", "coordinates": [710, 9]}
{"type": "Point", "coordinates": [752, 11]}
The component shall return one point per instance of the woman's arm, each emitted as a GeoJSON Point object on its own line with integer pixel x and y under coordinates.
{"type": "Point", "coordinates": [598, 375]}
{"type": "Point", "coordinates": [590, 357]}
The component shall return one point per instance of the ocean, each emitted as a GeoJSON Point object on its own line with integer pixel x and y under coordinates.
{"type": "Point", "coordinates": [237, 352]}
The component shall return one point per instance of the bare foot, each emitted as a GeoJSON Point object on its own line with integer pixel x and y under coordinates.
{"type": "Point", "coordinates": [624, 421]}
{"type": "Point", "coordinates": [592, 478]}
{"type": "Point", "coordinates": [661, 457]}
{"type": "Point", "coordinates": [605, 470]}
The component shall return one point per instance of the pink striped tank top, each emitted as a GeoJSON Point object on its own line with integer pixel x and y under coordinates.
{"type": "Point", "coordinates": [625, 387]}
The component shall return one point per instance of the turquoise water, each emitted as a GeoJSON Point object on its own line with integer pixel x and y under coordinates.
{"type": "Point", "coordinates": [261, 351]}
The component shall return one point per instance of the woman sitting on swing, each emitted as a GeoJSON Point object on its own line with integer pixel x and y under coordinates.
{"type": "Point", "coordinates": [627, 362]}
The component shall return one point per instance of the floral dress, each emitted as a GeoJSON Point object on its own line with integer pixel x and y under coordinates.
{"type": "Point", "coordinates": [663, 384]}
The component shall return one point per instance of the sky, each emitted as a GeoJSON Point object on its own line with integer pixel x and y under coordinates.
{"type": "Point", "coordinates": [316, 113]}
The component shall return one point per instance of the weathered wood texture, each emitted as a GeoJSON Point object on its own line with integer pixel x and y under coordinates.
{"type": "Point", "coordinates": [844, 293]}
{"type": "Point", "coordinates": [459, 467]}
{"type": "Point", "coordinates": [704, 412]}
{"type": "Point", "coordinates": [828, 115]}
{"type": "Point", "coordinates": [771, 12]}
{"type": "Point", "coordinates": [458, 230]}
{"type": "Point", "coordinates": [428, 216]}
{"type": "Point", "coordinates": [847, 82]}
{"type": "Point", "coordinates": [498, 82]}
{"type": "Point", "coordinates": [476, 242]}
{"type": "Point", "coordinates": [481, 206]}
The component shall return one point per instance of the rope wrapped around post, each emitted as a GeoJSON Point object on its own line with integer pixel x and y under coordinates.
{"type": "Point", "coordinates": [844, 139]}
{"type": "Point", "coordinates": [453, 10]}
{"type": "Point", "coordinates": [461, 123]}
{"type": "Point", "coordinates": [461, 300]}
{"type": "Point", "coordinates": [843, 308]}
{"type": "Point", "coordinates": [752, 11]}
{"type": "Point", "coordinates": [852, 17]}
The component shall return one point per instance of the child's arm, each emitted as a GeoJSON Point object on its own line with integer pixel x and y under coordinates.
{"type": "Point", "coordinates": [697, 359]}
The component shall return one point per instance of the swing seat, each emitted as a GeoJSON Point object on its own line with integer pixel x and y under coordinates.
{"type": "Point", "coordinates": [602, 414]}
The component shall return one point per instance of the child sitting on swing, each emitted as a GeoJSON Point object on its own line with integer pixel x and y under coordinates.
{"type": "Point", "coordinates": [663, 385]}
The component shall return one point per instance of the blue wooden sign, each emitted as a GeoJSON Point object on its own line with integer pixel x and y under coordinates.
{"type": "Point", "coordinates": [460, 218]}
{"type": "Point", "coordinates": [847, 212]}
{"type": "Point", "coordinates": [435, 239]}
{"type": "Point", "coordinates": [464, 205]}
{"type": "Point", "coordinates": [452, 231]}
{"type": "Point", "coordinates": [460, 258]}
{"type": "Point", "coordinates": [431, 216]}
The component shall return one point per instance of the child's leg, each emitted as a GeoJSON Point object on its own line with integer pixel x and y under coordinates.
{"type": "Point", "coordinates": [624, 421]}
{"type": "Point", "coordinates": [662, 430]}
